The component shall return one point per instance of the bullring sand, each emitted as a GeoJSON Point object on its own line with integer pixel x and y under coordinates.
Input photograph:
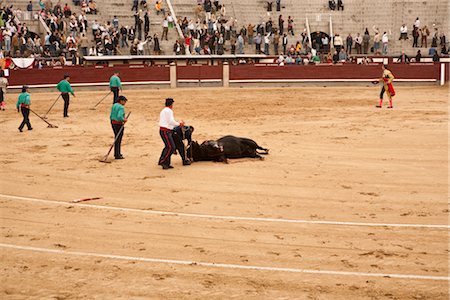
{"type": "Point", "coordinates": [333, 157]}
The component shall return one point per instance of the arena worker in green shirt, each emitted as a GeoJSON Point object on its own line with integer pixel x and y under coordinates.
{"type": "Point", "coordinates": [115, 85]}
{"type": "Point", "coordinates": [65, 89]}
{"type": "Point", "coordinates": [23, 104]}
{"type": "Point", "coordinates": [118, 120]}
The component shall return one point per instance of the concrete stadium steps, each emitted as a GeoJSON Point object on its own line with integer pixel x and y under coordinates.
{"type": "Point", "coordinates": [387, 15]}
{"type": "Point", "coordinates": [357, 15]}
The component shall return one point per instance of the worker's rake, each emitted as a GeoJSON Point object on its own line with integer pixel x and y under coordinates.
{"type": "Point", "coordinates": [93, 108]}
{"type": "Point", "coordinates": [48, 123]}
{"type": "Point", "coordinates": [105, 158]}
{"type": "Point", "coordinates": [45, 116]}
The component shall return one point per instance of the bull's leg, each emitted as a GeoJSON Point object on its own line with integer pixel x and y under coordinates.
{"type": "Point", "coordinates": [266, 151]}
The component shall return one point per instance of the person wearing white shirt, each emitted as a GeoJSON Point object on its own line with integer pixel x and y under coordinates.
{"type": "Point", "coordinates": [417, 23]}
{"type": "Point", "coordinates": [385, 40]}
{"type": "Point", "coordinates": [166, 124]}
{"type": "Point", "coordinates": [403, 32]}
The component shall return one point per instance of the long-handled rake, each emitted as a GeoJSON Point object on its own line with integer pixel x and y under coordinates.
{"type": "Point", "coordinates": [49, 124]}
{"type": "Point", "coordinates": [105, 158]}
{"type": "Point", "coordinates": [45, 116]}
{"type": "Point", "coordinates": [93, 108]}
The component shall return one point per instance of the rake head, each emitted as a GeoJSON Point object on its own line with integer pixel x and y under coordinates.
{"type": "Point", "coordinates": [105, 160]}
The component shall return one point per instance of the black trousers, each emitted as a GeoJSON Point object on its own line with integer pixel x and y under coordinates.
{"type": "Point", "coordinates": [169, 147]}
{"type": "Point", "coordinates": [178, 140]}
{"type": "Point", "coordinates": [2, 97]}
{"type": "Point", "coordinates": [26, 119]}
{"type": "Point", "coordinates": [115, 91]}
{"type": "Point", "coordinates": [118, 134]}
{"type": "Point", "coordinates": [66, 99]}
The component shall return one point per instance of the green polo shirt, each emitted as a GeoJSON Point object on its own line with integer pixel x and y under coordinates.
{"type": "Point", "coordinates": [24, 98]}
{"type": "Point", "coordinates": [117, 112]}
{"type": "Point", "coordinates": [64, 87]}
{"type": "Point", "coordinates": [115, 82]}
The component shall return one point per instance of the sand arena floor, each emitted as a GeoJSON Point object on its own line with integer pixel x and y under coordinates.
{"type": "Point", "coordinates": [333, 157]}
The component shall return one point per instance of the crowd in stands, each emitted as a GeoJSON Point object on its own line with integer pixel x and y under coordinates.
{"type": "Point", "coordinates": [212, 32]}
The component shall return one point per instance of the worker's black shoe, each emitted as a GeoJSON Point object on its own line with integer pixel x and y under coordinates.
{"type": "Point", "coordinates": [186, 163]}
{"type": "Point", "coordinates": [165, 167]}
{"type": "Point", "coordinates": [119, 157]}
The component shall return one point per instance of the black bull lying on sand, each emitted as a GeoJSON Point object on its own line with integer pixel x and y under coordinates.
{"type": "Point", "coordinates": [226, 147]}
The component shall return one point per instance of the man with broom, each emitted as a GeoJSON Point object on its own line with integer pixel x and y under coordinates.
{"type": "Point", "coordinates": [65, 88]}
{"type": "Point", "coordinates": [118, 120]}
{"type": "Point", "coordinates": [23, 104]}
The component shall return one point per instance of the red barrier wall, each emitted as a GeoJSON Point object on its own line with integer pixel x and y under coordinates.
{"type": "Point", "coordinates": [140, 73]}
{"type": "Point", "coordinates": [349, 71]}
{"type": "Point", "coordinates": [128, 73]}
{"type": "Point", "coordinates": [199, 72]}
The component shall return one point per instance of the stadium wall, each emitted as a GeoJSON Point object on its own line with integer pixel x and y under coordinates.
{"type": "Point", "coordinates": [160, 74]}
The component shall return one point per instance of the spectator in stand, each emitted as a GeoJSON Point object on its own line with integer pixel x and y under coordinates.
{"type": "Point", "coordinates": [325, 43]}
{"type": "Point", "coordinates": [285, 43]}
{"type": "Point", "coordinates": [156, 47]}
{"type": "Point", "coordinates": [417, 23]}
{"type": "Point", "coordinates": [207, 7]}
{"type": "Point", "coordinates": [349, 43]}
{"type": "Point", "coordinates": [298, 48]}
{"type": "Point", "coordinates": [332, 4]}
{"type": "Point", "coordinates": [316, 58]}
{"type": "Point", "coordinates": [403, 32]}
{"type": "Point", "coordinates": [30, 7]}
{"type": "Point", "coordinates": [436, 57]}
{"type": "Point", "coordinates": [140, 47]}
{"type": "Point", "coordinates": [278, 5]}
{"type": "Point", "coordinates": [317, 41]}
{"type": "Point", "coordinates": [281, 24]}
{"type": "Point", "coordinates": [338, 43]}
{"type": "Point", "coordinates": [358, 43]}
{"type": "Point", "coordinates": [146, 24]}
{"type": "Point", "coordinates": [335, 57]}
{"type": "Point", "coordinates": [342, 55]}
{"type": "Point", "coordinates": [403, 58]}
{"type": "Point", "coordinates": [418, 56]}
{"type": "Point", "coordinates": [276, 42]}
{"type": "Point", "coordinates": [442, 39]}
{"type": "Point", "coordinates": [250, 32]}
{"type": "Point", "coordinates": [340, 5]}
{"type": "Point", "coordinates": [124, 36]}
{"type": "Point", "coordinates": [385, 41]}
{"type": "Point", "coordinates": [77, 60]}
{"type": "Point", "coordinates": [267, 43]}
{"type": "Point", "coordinates": [258, 41]}
{"type": "Point", "coordinates": [84, 44]}
{"type": "Point", "coordinates": [415, 35]}
{"type": "Point", "coordinates": [165, 25]}
{"type": "Point", "coordinates": [240, 41]}
{"type": "Point", "coordinates": [93, 7]}
{"type": "Point", "coordinates": [376, 41]}
{"type": "Point", "coordinates": [366, 41]}
{"type": "Point", "coordinates": [291, 25]}
{"type": "Point", "coordinates": [136, 4]}
{"type": "Point", "coordinates": [67, 11]}
{"type": "Point", "coordinates": [198, 11]}
{"type": "Point", "coordinates": [434, 38]}
{"type": "Point", "coordinates": [93, 51]}
{"type": "Point", "coordinates": [115, 22]}
{"type": "Point", "coordinates": [269, 5]}
{"type": "Point", "coordinates": [7, 37]}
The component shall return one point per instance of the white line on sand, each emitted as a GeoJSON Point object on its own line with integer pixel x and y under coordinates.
{"type": "Point", "coordinates": [235, 218]}
{"type": "Point", "coordinates": [227, 266]}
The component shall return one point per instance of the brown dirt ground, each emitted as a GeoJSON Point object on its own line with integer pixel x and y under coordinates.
{"type": "Point", "coordinates": [334, 156]}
